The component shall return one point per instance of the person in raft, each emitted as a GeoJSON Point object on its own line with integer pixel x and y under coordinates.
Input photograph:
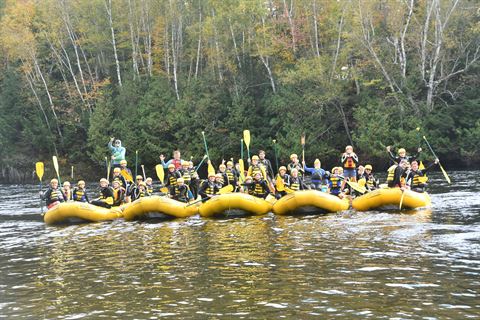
{"type": "Point", "coordinates": [266, 163]}
{"type": "Point", "coordinates": [126, 172]}
{"type": "Point", "coordinates": [208, 188]}
{"type": "Point", "coordinates": [416, 178]}
{"type": "Point", "coordinates": [182, 191]}
{"type": "Point", "coordinates": [372, 183]}
{"type": "Point", "coordinates": [319, 176]}
{"type": "Point", "coordinates": [295, 164]}
{"type": "Point", "coordinates": [282, 181]}
{"type": "Point", "coordinates": [79, 192]}
{"type": "Point", "coordinates": [105, 198]}
{"type": "Point", "coordinates": [67, 191]}
{"type": "Point", "coordinates": [402, 155]}
{"type": "Point", "coordinates": [397, 175]}
{"type": "Point", "coordinates": [176, 161]}
{"type": "Point", "coordinates": [53, 196]}
{"type": "Point", "coordinates": [118, 152]}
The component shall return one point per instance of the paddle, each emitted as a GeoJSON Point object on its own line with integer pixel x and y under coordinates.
{"type": "Point", "coordinates": [143, 171]}
{"type": "Point", "coordinates": [55, 165]}
{"type": "Point", "coordinates": [201, 162]}
{"type": "Point", "coordinates": [136, 162]}
{"type": "Point", "coordinates": [211, 169]}
{"type": "Point", "coordinates": [160, 172]}
{"type": "Point", "coordinates": [108, 170]}
{"type": "Point", "coordinates": [354, 185]}
{"type": "Point", "coordinates": [205, 143]}
{"type": "Point", "coordinates": [441, 168]}
{"type": "Point", "coordinates": [241, 148]}
{"type": "Point", "coordinates": [275, 152]}
{"type": "Point", "coordinates": [246, 139]}
{"type": "Point", "coordinates": [401, 200]}
{"type": "Point", "coordinates": [72, 173]}
{"type": "Point", "coordinates": [302, 141]}
{"type": "Point", "coordinates": [242, 170]}
{"type": "Point", "coordinates": [106, 166]}
{"type": "Point", "coordinates": [39, 169]}
{"type": "Point", "coordinates": [281, 185]}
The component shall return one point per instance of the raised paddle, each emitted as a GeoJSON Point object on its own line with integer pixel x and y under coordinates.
{"type": "Point", "coordinates": [211, 169]}
{"type": "Point", "coordinates": [106, 167]}
{"type": "Point", "coordinates": [39, 169]}
{"type": "Point", "coordinates": [72, 174]}
{"type": "Point", "coordinates": [201, 162]}
{"type": "Point", "coordinates": [242, 170]}
{"type": "Point", "coordinates": [160, 172]}
{"type": "Point", "coordinates": [205, 143]}
{"type": "Point", "coordinates": [108, 170]}
{"type": "Point", "coordinates": [246, 139]}
{"type": "Point", "coordinates": [241, 148]}
{"type": "Point", "coordinates": [302, 141]}
{"type": "Point", "coordinates": [136, 163]}
{"type": "Point", "coordinates": [55, 165]}
{"type": "Point", "coordinates": [441, 168]}
{"type": "Point", "coordinates": [275, 152]}
{"type": "Point", "coordinates": [401, 200]}
{"type": "Point", "coordinates": [143, 171]}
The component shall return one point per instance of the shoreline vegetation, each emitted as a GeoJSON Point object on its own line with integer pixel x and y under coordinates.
{"type": "Point", "coordinates": [155, 74]}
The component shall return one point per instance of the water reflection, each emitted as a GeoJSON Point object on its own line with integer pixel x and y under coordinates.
{"type": "Point", "coordinates": [346, 265]}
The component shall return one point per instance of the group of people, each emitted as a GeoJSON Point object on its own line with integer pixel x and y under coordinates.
{"type": "Point", "coordinates": [182, 182]}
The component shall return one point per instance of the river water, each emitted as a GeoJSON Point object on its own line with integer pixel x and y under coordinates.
{"type": "Point", "coordinates": [344, 265]}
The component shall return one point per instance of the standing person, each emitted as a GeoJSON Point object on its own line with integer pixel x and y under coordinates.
{"type": "Point", "coordinates": [402, 155]}
{"type": "Point", "coordinates": [319, 176]}
{"type": "Point", "coordinates": [105, 198]}
{"type": "Point", "coordinates": [295, 164]}
{"type": "Point", "coordinates": [118, 152]}
{"type": "Point", "coordinates": [176, 161]}
{"type": "Point", "coordinates": [53, 196]}
{"type": "Point", "coordinates": [349, 161]}
{"type": "Point", "coordinates": [232, 175]}
{"type": "Point", "coordinates": [266, 163]}
{"type": "Point", "coordinates": [79, 192]}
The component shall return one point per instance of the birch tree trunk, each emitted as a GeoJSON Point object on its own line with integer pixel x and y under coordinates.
{"type": "Point", "coordinates": [108, 8]}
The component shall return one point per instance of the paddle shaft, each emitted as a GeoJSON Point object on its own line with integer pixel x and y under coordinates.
{"type": "Point", "coordinates": [57, 169]}
{"type": "Point", "coordinates": [275, 152]}
{"type": "Point", "coordinates": [136, 162]}
{"type": "Point", "coordinates": [143, 171]}
{"type": "Point", "coordinates": [439, 164]}
{"type": "Point", "coordinates": [205, 143]}
{"type": "Point", "coordinates": [200, 164]}
{"type": "Point", "coordinates": [401, 200]}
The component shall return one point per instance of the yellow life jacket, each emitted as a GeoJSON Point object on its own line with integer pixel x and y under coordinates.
{"type": "Point", "coordinates": [349, 163]}
{"type": "Point", "coordinates": [186, 176]}
{"type": "Point", "coordinates": [295, 184]}
{"type": "Point", "coordinates": [259, 189]}
{"type": "Point", "coordinates": [79, 195]}
{"type": "Point", "coordinates": [254, 169]}
{"type": "Point", "coordinates": [391, 172]}
{"type": "Point", "coordinates": [230, 176]}
{"type": "Point", "coordinates": [107, 200]}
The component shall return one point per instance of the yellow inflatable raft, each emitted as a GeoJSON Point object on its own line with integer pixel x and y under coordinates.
{"type": "Point", "coordinates": [156, 206]}
{"type": "Point", "coordinates": [74, 212]}
{"type": "Point", "coordinates": [390, 199]}
{"type": "Point", "coordinates": [309, 201]}
{"type": "Point", "coordinates": [234, 204]}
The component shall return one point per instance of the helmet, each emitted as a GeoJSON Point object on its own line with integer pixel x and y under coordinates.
{"type": "Point", "coordinates": [255, 158]}
{"type": "Point", "coordinates": [229, 163]}
{"type": "Point", "coordinates": [171, 165]}
{"type": "Point", "coordinates": [66, 183]}
{"type": "Point", "coordinates": [401, 150]}
{"type": "Point", "coordinates": [103, 180]}
{"type": "Point", "coordinates": [368, 167]}
{"type": "Point", "coordinates": [180, 180]}
{"type": "Point", "coordinates": [142, 184]}
{"type": "Point", "coordinates": [316, 161]}
{"type": "Point", "coordinates": [80, 182]}
{"type": "Point", "coordinates": [222, 166]}
{"type": "Point", "coordinates": [333, 169]}
{"type": "Point", "coordinates": [54, 180]}
{"type": "Point", "coordinates": [117, 170]}
{"type": "Point", "coordinates": [139, 177]}
{"type": "Point", "coordinates": [116, 181]}
{"type": "Point", "coordinates": [190, 163]}
{"type": "Point", "coordinates": [185, 163]}
{"type": "Point", "coordinates": [282, 168]}
{"type": "Point", "coordinates": [123, 162]}
{"type": "Point", "coordinates": [148, 179]}
{"type": "Point", "coordinates": [248, 178]}
{"type": "Point", "coordinates": [293, 155]}
{"type": "Point", "coordinates": [348, 147]}
{"type": "Point", "coordinates": [211, 174]}
{"type": "Point", "coordinates": [294, 170]}
{"type": "Point", "coordinates": [218, 175]}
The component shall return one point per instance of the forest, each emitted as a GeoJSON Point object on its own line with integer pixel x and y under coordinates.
{"type": "Point", "coordinates": [156, 73]}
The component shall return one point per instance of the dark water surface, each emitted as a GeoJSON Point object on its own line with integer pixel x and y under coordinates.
{"type": "Point", "coordinates": [343, 265]}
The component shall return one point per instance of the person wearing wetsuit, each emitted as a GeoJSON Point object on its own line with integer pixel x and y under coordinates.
{"type": "Point", "coordinates": [397, 174]}
{"type": "Point", "coordinates": [319, 176]}
{"type": "Point", "coordinates": [416, 178]}
{"type": "Point", "coordinates": [402, 155]}
{"type": "Point", "coordinates": [105, 198]}
{"type": "Point", "coordinates": [208, 188]}
{"type": "Point", "coordinates": [53, 196]}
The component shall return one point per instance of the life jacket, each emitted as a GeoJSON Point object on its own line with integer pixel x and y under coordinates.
{"type": "Point", "coordinates": [79, 195]}
{"type": "Point", "coordinates": [260, 189]}
{"type": "Point", "coordinates": [186, 175]}
{"type": "Point", "coordinates": [254, 169]}
{"type": "Point", "coordinates": [172, 178]}
{"type": "Point", "coordinates": [391, 173]}
{"type": "Point", "coordinates": [349, 163]}
{"type": "Point", "coordinates": [295, 183]}
{"type": "Point", "coordinates": [149, 189]}
{"type": "Point", "coordinates": [177, 163]}
{"type": "Point", "coordinates": [210, 189]}
{"type": "Point", "coordinates": [54, 197]}
{"type": "Point", "coordinates": [230, 176]}
{"type": "Point", "coordinates": [68, 195]}
{"type": "Point", "coordinates": [106, 196]}
{"type": "Point", "coordinates": [121, 180]}
{"type": "Point", "coordinates": [118, 196]}
{"type": "Point", "coordinates": [297, 166]}
{"type": "Point", "coordinates": [371, 182]}
{"type": "Point", "coordinates": [318, 174]}
{"type": "Point", "coordinates": [336, 185]}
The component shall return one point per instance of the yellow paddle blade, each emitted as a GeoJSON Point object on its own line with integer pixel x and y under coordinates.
{"type": "Point", "coordinates": [421, 166]}
{"type": "Point", "coordinates": [279, 183]}
{"type": "Point", "coordinates": [264, 172]}
{"type": "Point", "coordinates": [39, 169]}
{"type": "Point", "coordinates": [445, 173]}
{"type": "Point", "coordinates": [55, 165]}
{"type": "Point", "coordinates": [355, 186]}
{"type": "Point", "coordinates": [126, 175]}
{"type": "Point", "coordinates": [270, 199]}
{"type": "Point", "coordinates": [401, 200]}
{"type": "Point", "coordinates": [246, 137]}
{"type": "Point", "coordinates": [164, 190]}
{"type": "Point", "coordinates": [302, 140]}
{"type": "Point", "coordinates": [160, 172]}
{"type": "Point", "coordinates": [242, 170]}
{"type": "Point", "coordinates": [423, 179]}
{"type": "Point", "coordinates": [211, 169]}
{"type": "Point", "coordinates": [226, 189]}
